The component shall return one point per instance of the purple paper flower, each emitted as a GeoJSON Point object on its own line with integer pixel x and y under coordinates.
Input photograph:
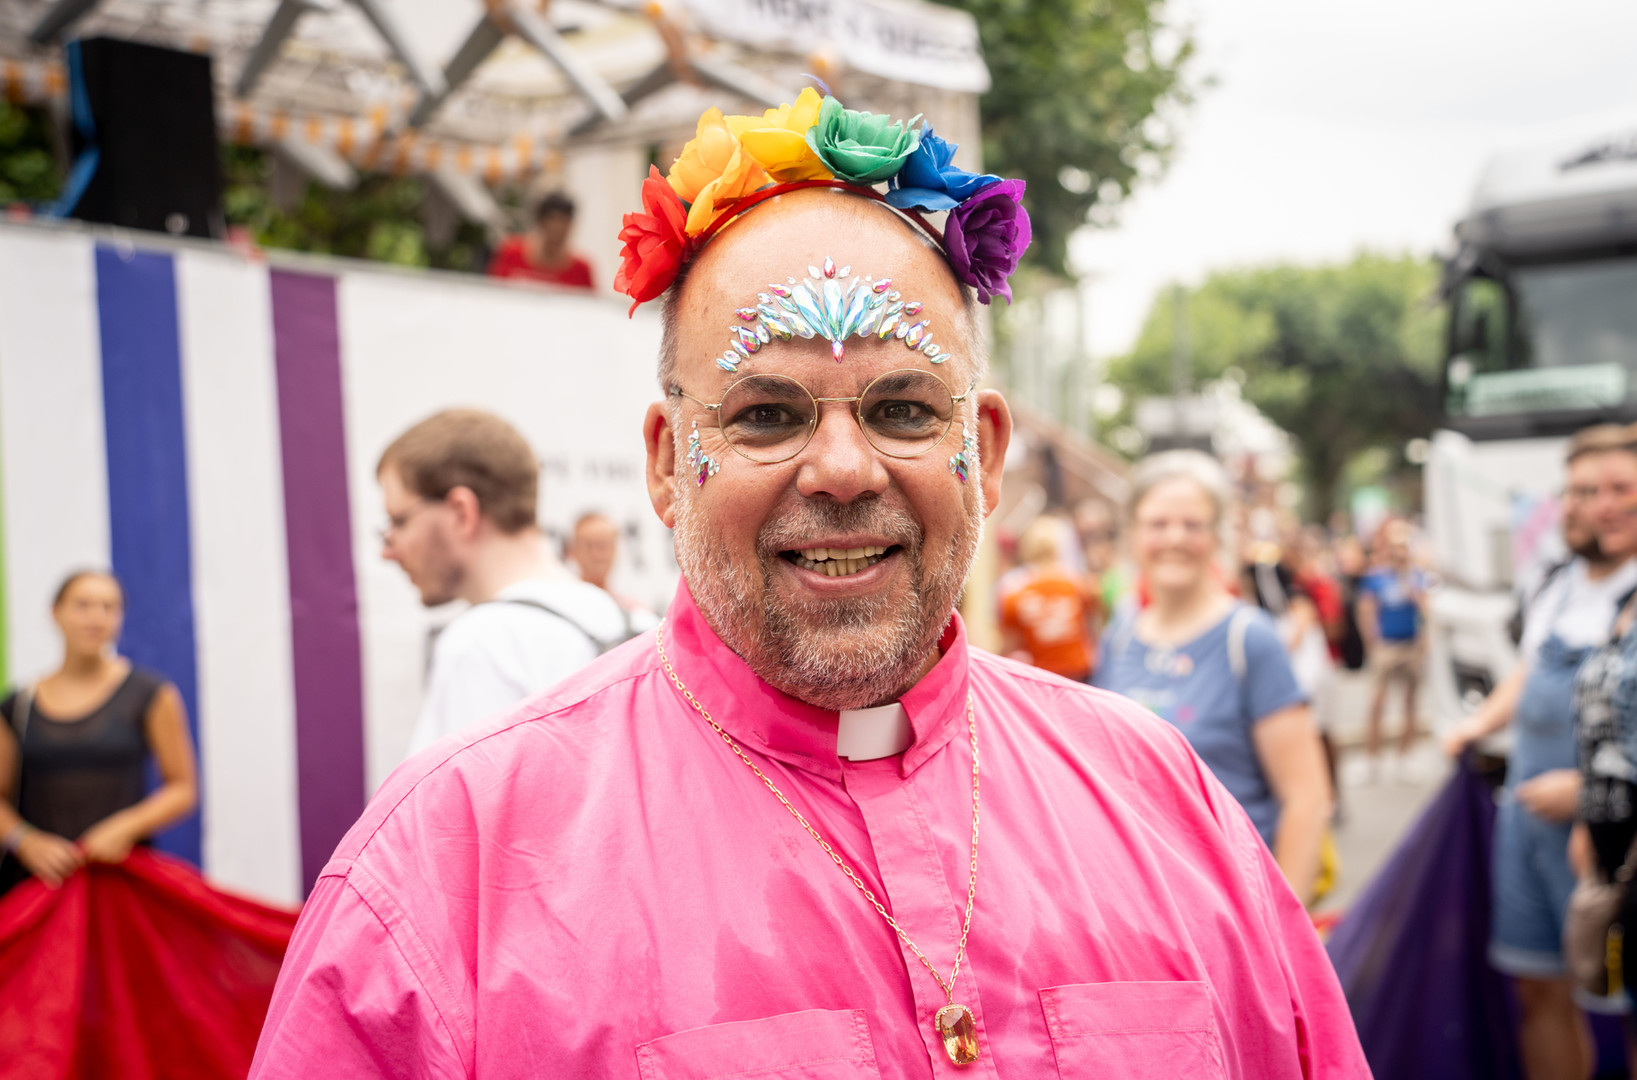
{"type": "Point", "coordinates": [986, 236]}
{"type": "Point", "coordinates": [929, 182]}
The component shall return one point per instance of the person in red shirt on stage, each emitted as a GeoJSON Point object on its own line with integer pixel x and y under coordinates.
{"type": "Point", "coordinates": [542, 253]}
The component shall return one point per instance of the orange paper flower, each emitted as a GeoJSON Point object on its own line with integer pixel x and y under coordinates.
{"type": "Point", "coordinates": [713, 168]}
{"type": "Point", "coordinates": [777, 139]}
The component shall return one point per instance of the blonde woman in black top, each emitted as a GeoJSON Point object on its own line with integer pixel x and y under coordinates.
{"type": "Point", "coordinates": [75, 746]}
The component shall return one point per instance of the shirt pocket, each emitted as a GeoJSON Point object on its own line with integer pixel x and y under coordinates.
{"type": "Point", "coordinates": [1133, 1030]}
{"type": "Point", "coordinates": [818, 1044]}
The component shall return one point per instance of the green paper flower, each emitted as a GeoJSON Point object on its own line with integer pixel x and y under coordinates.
{"type": "Point", "coordinates": [861, 147]}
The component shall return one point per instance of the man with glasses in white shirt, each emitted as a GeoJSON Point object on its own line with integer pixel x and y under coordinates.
{"type": "Point", "coordinates": [460, 490]}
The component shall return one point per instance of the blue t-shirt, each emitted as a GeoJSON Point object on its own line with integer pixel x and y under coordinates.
{"type": "Point", "coordinates": [1397, 617]}
{"type": "Point", "coordinates": [1194, 687]}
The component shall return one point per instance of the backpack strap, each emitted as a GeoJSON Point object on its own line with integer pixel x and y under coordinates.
{"type": "Point", "coordinates": [602, 645]}
{"type": "Point", "coordinates": [1238, 627]}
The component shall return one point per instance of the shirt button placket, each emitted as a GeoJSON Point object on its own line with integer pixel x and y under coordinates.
{"type": "Point", "coordinates": [919, 895]}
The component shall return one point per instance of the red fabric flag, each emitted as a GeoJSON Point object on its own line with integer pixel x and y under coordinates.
{"type": "Point", "coordinates": [136, 971]}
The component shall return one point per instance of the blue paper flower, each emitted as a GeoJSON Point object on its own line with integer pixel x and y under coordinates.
{"type": "Point", "coordinates": [929, 182]}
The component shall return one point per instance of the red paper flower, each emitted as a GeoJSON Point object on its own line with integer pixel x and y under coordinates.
{"type": "Point", "coordinates": [655, 242]}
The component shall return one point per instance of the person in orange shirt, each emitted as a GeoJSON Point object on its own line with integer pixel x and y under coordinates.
{"type": "Point", "coordinates": [542, 253]}
{"type": "Point", "coordinates": [1048, 616]}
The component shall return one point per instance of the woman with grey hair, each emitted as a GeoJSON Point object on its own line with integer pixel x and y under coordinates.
{"type": "Point", "coordinates": [1215, 667]}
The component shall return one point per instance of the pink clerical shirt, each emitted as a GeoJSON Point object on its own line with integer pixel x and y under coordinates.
{"type": "Point", "coordinates": [594, 886]}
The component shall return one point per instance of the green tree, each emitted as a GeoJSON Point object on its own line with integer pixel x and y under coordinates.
{"type": "Point", "coordinates": [1082, 93]}
{"type": "Point", "coordinates": [379, 219]}
{"type": "Point", "coordinates": [1344, 357]}
{"type": "Point", "coordinates": [28, 162]}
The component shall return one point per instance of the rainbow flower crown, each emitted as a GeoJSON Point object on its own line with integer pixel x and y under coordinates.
{"type": "Point", "coordinates": [736, 162]}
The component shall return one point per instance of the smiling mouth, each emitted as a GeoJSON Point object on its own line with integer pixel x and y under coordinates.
{"type": "Point", "coordinates": [838, 562]}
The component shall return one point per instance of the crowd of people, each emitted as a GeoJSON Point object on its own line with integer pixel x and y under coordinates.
{"type": "Point", "coordinates": [1231, 624]}
{"type": "Point", "coordinates": [1236, 639]}
{"type": "Point", "coordinates": [460, 493]}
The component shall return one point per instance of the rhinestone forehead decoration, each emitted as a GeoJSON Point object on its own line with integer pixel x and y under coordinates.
{"type": "Point", "coordinates": [961, 464]}
{"type": "Point", "coordinates": [834, 304]}
{"type": "Point", "coordinates": [700, 463]}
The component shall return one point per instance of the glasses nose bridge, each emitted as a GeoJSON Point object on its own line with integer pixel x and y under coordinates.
{"type": "Point", "coordinates": [853, 406]}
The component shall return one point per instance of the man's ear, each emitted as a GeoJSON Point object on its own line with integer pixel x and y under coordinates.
{"type": "Point", "coordinates": [994, 436]}
{"type": "Point", "coordinates": [468, 512]}
{"type": "Point", "coordinates": [661, 473]}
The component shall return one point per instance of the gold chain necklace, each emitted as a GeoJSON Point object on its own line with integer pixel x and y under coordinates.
{"type": "Point", "coordinates": [953, 1023]}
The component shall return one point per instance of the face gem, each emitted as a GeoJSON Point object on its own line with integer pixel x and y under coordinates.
{"type": "Point", "coordinates": [834, 298]}
{"type": "Point", "coordinates": [727, 365]}
{"type": "Point", "coordinates": [961, 464]}
{"type": "Point", "coordinates": [858, 305]}
{"type": "Point", "coordinates": [941, 358]}
{"type": "Point", "coordinates": [831, 304]}
{"type": "Point", "coordinates": [703, 465]}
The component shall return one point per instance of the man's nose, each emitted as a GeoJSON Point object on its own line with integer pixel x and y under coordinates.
{"type": "Point", "coordinates": [839, 461]}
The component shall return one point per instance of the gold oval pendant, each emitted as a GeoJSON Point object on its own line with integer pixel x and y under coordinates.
{"type": "Point", "coordinates": [958, 1031]}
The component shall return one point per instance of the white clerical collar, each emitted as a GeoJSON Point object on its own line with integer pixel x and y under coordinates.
{"type": "Point", "coordinates": [867, 734]}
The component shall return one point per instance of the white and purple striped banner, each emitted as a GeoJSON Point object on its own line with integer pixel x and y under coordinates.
{"type": "Point", "coordinates": [208, 426]}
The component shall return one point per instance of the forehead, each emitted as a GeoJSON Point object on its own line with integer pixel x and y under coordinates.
{"type": "Point", "coordinates": [1175, 493]}
{"type": "Point", "coordinates": [791, 236]}
{"type": "Point", "coordinates": [98, 587]}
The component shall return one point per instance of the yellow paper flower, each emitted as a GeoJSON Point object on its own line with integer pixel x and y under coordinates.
{"type": "Point", "coordinates": [713, 168]}
{"type": "Point", "coordinates": [777, 139]}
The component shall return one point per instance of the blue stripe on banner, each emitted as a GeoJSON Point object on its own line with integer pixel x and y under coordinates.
{"type": "Point", "coordinates": [147, 479]}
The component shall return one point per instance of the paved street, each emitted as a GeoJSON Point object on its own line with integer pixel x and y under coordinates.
{"type": "Point", "coordinates": [1376, 812]}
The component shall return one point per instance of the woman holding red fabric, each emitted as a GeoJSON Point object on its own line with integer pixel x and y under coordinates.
{"type": "Point", "coordinates": [75, 747]}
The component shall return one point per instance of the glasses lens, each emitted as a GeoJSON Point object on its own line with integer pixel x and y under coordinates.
{"type": "Point", "coordinates": [767, 417]}
{"type": "Point", "coordinates": [906, 412]}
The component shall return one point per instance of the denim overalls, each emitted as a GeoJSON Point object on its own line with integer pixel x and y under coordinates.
{"type": "Point", "coordinates": [1532, 879]}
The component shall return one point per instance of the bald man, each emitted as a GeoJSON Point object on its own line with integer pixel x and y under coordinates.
{"type": "Point", "coordinates": [749, 844]}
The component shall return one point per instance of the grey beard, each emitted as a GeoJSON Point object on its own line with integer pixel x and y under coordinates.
{"type": "Point", "coordinates": [833, 654]}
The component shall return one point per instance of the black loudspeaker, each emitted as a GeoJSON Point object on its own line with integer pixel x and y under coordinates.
{"type": "Point", "coordinates": [144, 138]}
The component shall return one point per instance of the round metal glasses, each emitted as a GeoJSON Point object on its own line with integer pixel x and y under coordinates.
{"type": "Point", "coordinates": [771, 418]}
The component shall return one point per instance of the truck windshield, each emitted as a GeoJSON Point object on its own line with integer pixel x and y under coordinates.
{"type": "Point", "coordinates": [1544, 338]}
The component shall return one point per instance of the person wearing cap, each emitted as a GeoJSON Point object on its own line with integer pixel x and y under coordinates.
{"type": "Point", "coordinates": [804, 828]}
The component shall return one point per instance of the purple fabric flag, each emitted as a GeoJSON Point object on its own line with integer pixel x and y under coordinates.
{"type": "Point", "coordinates": [1412, 954]}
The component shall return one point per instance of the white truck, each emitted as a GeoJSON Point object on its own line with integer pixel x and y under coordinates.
{"type": "Point", "coordinates": [1542, 299]}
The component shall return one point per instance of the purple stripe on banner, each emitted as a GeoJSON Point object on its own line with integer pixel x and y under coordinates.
{"type": "Point", "coordinates": [148, 480]}
{"type": "Point", "coordinates": [329, 692]}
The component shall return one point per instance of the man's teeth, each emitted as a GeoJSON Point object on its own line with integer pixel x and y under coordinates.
{"type": "Point", "coordinates": [839, 562]}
